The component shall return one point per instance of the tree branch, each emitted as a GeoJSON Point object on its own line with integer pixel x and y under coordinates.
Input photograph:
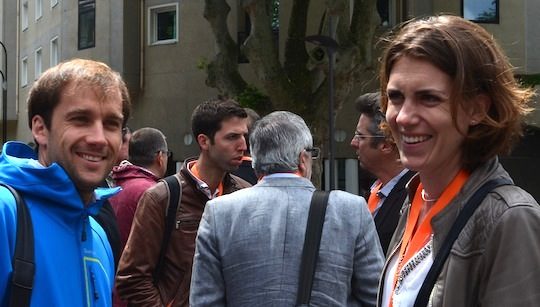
{"type": "Point", "coordinates": [262, 52]}
{"type": "Point", "coordinates": [296, 55]}
{"type": "Point", "coordinates": [223, 70]}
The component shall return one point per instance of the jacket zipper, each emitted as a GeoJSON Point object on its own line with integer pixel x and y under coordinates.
{"type": "Point", "coordinates": [186, 222]}
{"type": "Point", "coordinates": [84, 223]}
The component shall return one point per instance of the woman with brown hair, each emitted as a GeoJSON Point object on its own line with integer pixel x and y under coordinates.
{"type": "Point", "coordinates": [452, 105]}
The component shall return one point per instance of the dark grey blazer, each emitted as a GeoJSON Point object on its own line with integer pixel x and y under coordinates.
{"type": "Point", "coordinates": [388, 215]}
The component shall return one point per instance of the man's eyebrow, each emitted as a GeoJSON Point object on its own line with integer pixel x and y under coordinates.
{"type": "Point", "coordinates": [77, 111]}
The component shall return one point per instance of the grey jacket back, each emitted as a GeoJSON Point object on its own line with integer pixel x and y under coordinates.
{"type": "Point", "coordinates": [250, 242]}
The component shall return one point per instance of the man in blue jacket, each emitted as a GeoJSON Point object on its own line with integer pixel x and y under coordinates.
{"type": "Point", "coordinates": [249, 242]}
{"type": "Point", "coordinates": [76, 111]}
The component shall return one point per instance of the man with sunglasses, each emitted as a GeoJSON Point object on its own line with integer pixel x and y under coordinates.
{"type": "Point", "coordinates": [379, 155]}
{"type": "Point", "coordinates": [249, 243]}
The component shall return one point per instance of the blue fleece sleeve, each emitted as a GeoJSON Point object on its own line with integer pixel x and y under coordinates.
{"type": "Point", "coordinates": [8, 225]}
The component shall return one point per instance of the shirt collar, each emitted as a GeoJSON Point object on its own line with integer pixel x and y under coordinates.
{"type": "Point", "coordinates": [388, 187]}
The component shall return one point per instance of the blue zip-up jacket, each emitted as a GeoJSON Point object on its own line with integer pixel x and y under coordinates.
{"type": "Point", "coordinates": [74, 261]}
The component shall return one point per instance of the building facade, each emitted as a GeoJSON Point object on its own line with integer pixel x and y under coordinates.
{"type": "Point", "coordinates": [157, 45]}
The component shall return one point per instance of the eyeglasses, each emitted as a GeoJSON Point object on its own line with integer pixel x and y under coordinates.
{"type": "Point", "coordinates": [314, 151]}
{"type": "Point", "coordinates": [165, 152]}
{"type": "Point", "coordinates": [358, 135]}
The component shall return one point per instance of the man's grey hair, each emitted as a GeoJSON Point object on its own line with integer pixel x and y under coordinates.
{"type": "Point", "coordinates": [277, 141]}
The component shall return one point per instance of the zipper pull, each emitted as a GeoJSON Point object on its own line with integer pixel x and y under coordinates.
{"type": "Point", "coordinates": [93, 278]}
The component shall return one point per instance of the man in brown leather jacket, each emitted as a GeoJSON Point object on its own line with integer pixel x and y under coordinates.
{"type": "Point", "coordinates": [219, 127]}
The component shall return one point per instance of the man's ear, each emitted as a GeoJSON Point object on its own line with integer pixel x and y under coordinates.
{"type": "Point", "coordinates": [204, 141]}
{"type": "Point", "coordinates": [159, 160]}
{"type": "Point", "coordinates": [480, 106]}
{"type": "Point", "coordinates": [40, 131]}
{"type": "Point", "coordinates": [385, 147]}
{"type": "Point", "coordinates": [303, 164]}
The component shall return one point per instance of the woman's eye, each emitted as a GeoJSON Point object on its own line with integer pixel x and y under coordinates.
{"type": "Point", "coordinates": [395, 98]}
{"type": "Point", "coordinates": [431, 99]}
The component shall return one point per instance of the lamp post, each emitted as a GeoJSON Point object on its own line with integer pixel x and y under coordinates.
{"type": "Point", "coordinates": [331, 47]}
{"type": "Point", "coordinates": [4, 96]}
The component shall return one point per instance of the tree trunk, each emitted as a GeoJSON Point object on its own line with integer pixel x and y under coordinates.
{"type": "Point", "coordinates": [300, 83]}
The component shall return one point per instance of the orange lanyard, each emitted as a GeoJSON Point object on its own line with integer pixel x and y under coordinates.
{"type": "Point", "coordinates": [414, 237]}
{"type": "Point", "coordinates": [195, 171]}
{"type": "Point", "coordinates": [374, 198]}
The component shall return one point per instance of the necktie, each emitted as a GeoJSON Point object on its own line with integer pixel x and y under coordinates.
{"type": "Point", "coordinates": [374, 198]}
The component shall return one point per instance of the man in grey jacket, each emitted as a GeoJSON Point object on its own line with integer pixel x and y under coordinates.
{"type": "Point", "coordinates": [249, 243]}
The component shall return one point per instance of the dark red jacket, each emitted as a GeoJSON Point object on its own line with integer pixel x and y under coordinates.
{"type": "Point", "coordinates": [134, 181]}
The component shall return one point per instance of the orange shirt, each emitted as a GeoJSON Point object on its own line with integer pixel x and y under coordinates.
{"type": "Point", "coordinates": [374, 198]}
{"type": "Point", "coordinates": [195, 171]}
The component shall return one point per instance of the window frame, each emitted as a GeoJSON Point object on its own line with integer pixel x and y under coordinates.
{"type": "Point", "coordinates": [38, 62]}
{"type": "Point", "coordinates": [38, 9]}
{"type": "Point", "coordinates": [54, 49]}
{"type": "Point", "coordinates": [24, 71]}
{"type": "Point", "coordinates": [88, 7]}
{"type": "Point", "coordinates": [152, 28]}
{"type": "Point", "coordinates": [24, 15]}
{"type": "Point", "coordinates": [494, 19]}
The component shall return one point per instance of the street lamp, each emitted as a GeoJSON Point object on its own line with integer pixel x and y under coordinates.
{"type": "Point", "coordinates": [331, 47]}
{"type": "Point", "coordinates": [4, 96]}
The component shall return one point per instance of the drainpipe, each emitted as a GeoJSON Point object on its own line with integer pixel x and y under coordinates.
{"type": "Point", "coordinates": [141, 46]}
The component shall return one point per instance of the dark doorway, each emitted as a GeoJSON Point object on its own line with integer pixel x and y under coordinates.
{"type": "Point", "coordinates": [524, 162]}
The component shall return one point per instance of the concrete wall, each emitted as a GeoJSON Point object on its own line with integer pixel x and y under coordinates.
{"type": "Point", "coordinates": [509, 33]}
{"type": "Point", "coordinates": [532, 36]}
{"type": "Point", "coordinates": [172, 84]}
{"type": "Point", "coordinates": [164, 80]}
{"type": "Point", "coordinates": [38, 35]}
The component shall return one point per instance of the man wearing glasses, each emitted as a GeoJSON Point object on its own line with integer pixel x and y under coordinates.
{"type": "Point", "coordinates": [249, 243]}
{"type": "Point", "coordinates": [378, 155]}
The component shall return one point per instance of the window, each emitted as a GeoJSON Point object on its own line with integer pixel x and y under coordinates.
{"type": "Point", "coordinates": [24, 15]}
{"type": "Point", "coordinates": [39, 9]}
{"type": "Point", "coordinates": [481, 11]}
{"type": "Point", "coordinates": [54, 51]}
{"type": "Point", "coordinates": [54, 3]}
{"type": "Point", "coordinates": [87, 24]}
{"type": "Point", "coordinates": [24, 71]}
{"type": "Point", "coordinates": [163, 24]}
{"type": "Point", "coordinates": [38, 63]}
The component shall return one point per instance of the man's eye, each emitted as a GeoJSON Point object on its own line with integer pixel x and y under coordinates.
{"type": "Point", "coordinates": [79, 119]}
{"type": "Point", "coordinates": [113, 125]}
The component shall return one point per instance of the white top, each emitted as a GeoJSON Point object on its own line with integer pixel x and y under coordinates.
{"type": "Point", "coordinates": [406, 291]}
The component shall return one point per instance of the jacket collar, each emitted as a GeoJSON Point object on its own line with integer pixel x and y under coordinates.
{"type": "Point", "coordinates": [285, 182]}
{"type": "Point", "coordinates": [230, 183]}
{"type": "Point", "coordinates": [443, 221]}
